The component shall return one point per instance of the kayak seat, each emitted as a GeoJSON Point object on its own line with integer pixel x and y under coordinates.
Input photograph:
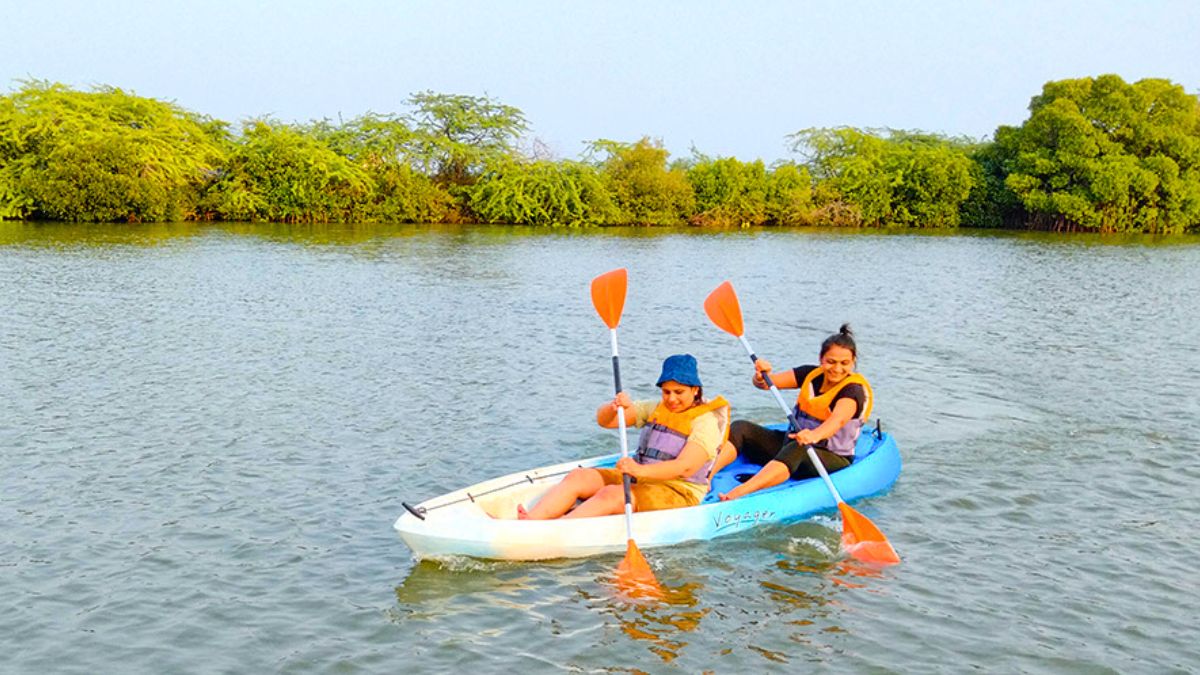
{"type": "Point", "coordinates": [739, 471]}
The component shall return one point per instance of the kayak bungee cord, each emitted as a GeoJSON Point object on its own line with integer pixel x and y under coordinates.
{"type": "Point", "coordinates": [420, 511]}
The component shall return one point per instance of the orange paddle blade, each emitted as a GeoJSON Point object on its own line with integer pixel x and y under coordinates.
{"type": "Point", "coordinates": [863, 540]}
{"type": "Point", "coordinates": [723, 309]}
{"type": "Point", "coordinates": [634, 575]}
{"type": "Point", "coordinates": [608, 295]}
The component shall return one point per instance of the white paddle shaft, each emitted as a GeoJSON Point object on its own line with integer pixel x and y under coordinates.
{"type": "Point", "coordinates": [812, 453]}
{"type": "Point", "coordinates": [621, 432]}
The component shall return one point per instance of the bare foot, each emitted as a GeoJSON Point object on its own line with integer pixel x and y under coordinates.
{"type": "Point", "coordinates": [522, 514]}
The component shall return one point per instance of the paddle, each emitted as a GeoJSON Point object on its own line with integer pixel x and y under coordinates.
{"type": "Point", "coordinates": [860, 537]}
{"type": "Point", "coordinates": [608, 296]}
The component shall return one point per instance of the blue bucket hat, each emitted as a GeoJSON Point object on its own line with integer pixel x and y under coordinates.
{"type": "Point", "coordinates": [682, 369]}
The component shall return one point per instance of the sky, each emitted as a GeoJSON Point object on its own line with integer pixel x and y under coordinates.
{"type": "Point", "coordinates": [723, 78]}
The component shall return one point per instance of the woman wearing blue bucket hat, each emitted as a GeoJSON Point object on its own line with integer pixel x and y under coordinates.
{"type": "Point", "coordinates": [681, 436]}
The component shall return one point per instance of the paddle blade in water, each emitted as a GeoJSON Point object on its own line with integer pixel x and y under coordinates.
{"type": "Point", "coordinates": [634, 575]}
{"type": "Point", "coordinates": [723, 309]}
{"type": "Point", "coordinates": [608, 295]}
{"type": "Point", "coordinates": [863, 540]}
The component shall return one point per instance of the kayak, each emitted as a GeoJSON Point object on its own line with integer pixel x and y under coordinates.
{"type": "Point", "coordinates": [480, 520]}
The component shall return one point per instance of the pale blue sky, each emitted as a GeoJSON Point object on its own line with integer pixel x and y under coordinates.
{"type": "Point", "coordinates": [730, 78]}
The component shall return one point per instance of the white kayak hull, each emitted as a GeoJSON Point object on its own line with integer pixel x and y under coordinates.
{"type": "Point", "coordinates": [480, 521]}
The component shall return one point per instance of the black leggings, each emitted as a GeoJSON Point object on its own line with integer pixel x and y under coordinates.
{"type": "Point", "coordinates": [760, 445]}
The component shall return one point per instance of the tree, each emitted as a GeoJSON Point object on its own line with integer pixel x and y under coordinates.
{"type": "Point", "coordinates": [103, 155]}
{"type": "Point", "coordinates": [1101, 154]}
{"type": "Point", "coordinates": [456, 136]}
{"type": "Point", "coordinates": [889, 177]}
{"type": "Point", "coordinates": [790, 195]}
{"type": "Point", "coordinates": [644, 189]}
{"type": "Point", "coordinates": [368, 139]}
{"type": "Point", "coordinates": [543, 193]}
{"type": "Point", "coordinates": [277, 172]}
{"type": "Point", "coordinates": [728, 191]}
{"type": "Point", "coordinates": [383, 147]}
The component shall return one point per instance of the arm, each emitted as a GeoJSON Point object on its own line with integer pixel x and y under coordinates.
{"type": "Point", "coordinates": [842, 412]}
{"type": "Point", "coordinates": [691, 458]}
{"type": "Point", "coordinates": [701, 446]}
{"type": "Point", "coordinates": [783, 380]}
{"type": "Point", "coordinates": [606, 414]}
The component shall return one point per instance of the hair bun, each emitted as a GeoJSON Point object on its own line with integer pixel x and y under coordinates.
{"type": "Point", "coordinates": [843, 338]}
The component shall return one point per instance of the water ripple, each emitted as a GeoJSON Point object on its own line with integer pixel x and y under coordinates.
{"type": "Point", "coordinates": [207, 432]}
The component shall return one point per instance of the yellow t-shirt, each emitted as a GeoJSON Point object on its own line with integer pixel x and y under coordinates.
{"type": "Point", "coordinates": [706, 433]}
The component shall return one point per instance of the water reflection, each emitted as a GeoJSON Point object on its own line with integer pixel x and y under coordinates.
{"type": "Point", "coordinates": [448, 592]}
{"type": "Point", "coordinates": [807, 587]}
{"type": "Point", "coordinates": [66, 235]}
{"type": "Point", "coordinates": [70, 235]}
{"type": "Point", "coordinates": [790, 597]}
{"type": "Point", "coordinates": [804, 596]}
{"type": "Point", "coordinates": [53, 234]}
{"type": "Point", "coordinates": [431, 582]}
{"type": "Point", "coordinates": [662, 622]}
{"type": "Point", "coordinates": [847, 573]}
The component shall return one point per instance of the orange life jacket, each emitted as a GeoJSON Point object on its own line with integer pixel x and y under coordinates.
{"type": "Point", "coordinates": [666, 432]}
{"type": "Point", "coordinates": [813, 408]}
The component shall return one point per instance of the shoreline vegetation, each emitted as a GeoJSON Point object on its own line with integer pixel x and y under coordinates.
{"type": "Point", "coordinates": [1095, 155]}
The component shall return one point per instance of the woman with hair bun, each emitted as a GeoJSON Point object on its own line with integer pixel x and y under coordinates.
{"type": "Point", "coordinates": [833, 404]}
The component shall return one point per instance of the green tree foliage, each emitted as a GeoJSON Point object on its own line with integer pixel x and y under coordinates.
{"type": "Point", "coordinates": [543, 193]}
{"type": "Point", "coordinates": [279, 172]}
{"type": "Point", "coordinates": [729, 191]}
{"type": "Point", "coordinates": [456, 137]}
{"type": "Point", "coordinates": [645, 191]}
{"type": "Point", "coordinates": [14, 204]}
{"type": "Point", "coordinates": [1095, 154]}
{"type": "Point", "coordinates": [790, 195]}
{"type": "Point", "coordinates": [1101, 154]}
{"type": "Point", "coordinates": [368, 139]}
{"type": "Point", "coordinates": [103, 155]}
{"type": "Point", "coordinates": [385, 148]}
{"type": "Point", "coordinates": [887, 178]}
{"type": "Point", "coordinates": [991, 203]}
{"type": "Point", "coordinates": [401, 194]}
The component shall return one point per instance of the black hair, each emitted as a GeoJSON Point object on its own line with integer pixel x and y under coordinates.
{"type": "Point", "coordinates": [699, 393]}
{"type": "Point", "coordinates": [843, 338]}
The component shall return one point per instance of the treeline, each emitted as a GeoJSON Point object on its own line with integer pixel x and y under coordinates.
{"type": "Point", "coordinates": [1095, 154]}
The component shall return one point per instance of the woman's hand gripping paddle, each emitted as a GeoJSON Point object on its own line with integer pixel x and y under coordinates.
{"type": "Point", "coordinates": [860, 537]}
{"type": "Point", "coordinates": [608, 296]}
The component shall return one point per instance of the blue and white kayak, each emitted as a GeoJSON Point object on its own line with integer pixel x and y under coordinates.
{"type": "Point", "coordinates": [480, 521]}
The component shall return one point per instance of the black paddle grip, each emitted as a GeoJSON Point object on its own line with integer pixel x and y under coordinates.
{"type": "Point", "coordinates": [417, 511]}
{"type": "Point", "coordinates": [792, 421]}
{"type": "Point", "coordinates": [617, 387]}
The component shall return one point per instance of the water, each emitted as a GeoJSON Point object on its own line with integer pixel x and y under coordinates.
{"type": "Point", "coordinates": [206, 433]}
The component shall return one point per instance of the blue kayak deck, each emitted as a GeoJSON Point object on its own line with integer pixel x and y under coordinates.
{"type": "Point", "coordinates": [740, 469]}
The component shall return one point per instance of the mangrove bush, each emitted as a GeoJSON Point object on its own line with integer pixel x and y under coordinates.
{"type": "Point", "coordinates": [1100, 154]}
{"type": "Point", "coordinates": [1095, 154]}
{"type": "Point", "coordinates": [103, 155]}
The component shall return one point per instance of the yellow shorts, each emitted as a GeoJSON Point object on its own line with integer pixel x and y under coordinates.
{"type": "Point", "coordinates": [651, 495]}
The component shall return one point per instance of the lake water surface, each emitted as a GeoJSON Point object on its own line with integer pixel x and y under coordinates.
{"type": "Point", "coordinates": [206, 433]}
